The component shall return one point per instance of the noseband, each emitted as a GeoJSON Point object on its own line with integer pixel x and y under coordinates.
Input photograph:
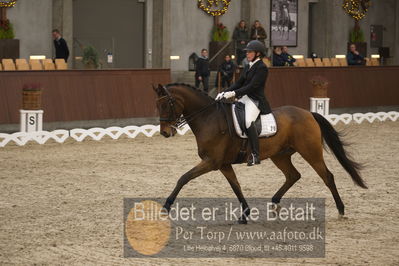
{"type": "Point", "coordinates": [172, 117]}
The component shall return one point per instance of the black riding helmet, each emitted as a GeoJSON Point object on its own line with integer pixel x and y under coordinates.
{"type": "Point", "coordinates": [256, 46]}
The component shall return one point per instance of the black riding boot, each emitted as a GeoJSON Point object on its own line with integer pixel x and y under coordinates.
{"type": "Point", "coordinates": [254, 142]}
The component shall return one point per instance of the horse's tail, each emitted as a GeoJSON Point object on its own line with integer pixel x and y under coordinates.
{"type": "Point", "coordinates": [332, 138]}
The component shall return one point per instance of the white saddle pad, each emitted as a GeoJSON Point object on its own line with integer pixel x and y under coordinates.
{"type": "Point", "coordinates": [269, 125]}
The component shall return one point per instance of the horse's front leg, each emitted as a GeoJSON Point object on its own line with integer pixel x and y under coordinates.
{"type": "Point", "coordinates": [202, 168]}
{"type": "Point", "coordinates": [228, 172]}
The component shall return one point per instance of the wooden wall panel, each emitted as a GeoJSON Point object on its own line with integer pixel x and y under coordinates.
{"type": "Point", "coordinates": [111, 94]}
{"type": "Point", "coordinates": [83, 95]}
{"type": "Point", "coordinates": [349, 86]}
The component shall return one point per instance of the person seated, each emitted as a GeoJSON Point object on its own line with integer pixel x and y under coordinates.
{"type": "Point", "coordinates": [278, 59]}
{"type": "Point", "coordinates": [226, 70]}
{"type": "Point", "coordinates": [354, 58]}
{"type": "Point", "coordinates": [288, 59]}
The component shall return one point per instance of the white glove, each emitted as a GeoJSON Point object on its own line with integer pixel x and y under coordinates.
{"type": "Point", "coordinates": [219, 96]}
{"type": "Point", "coordinates": [229, 94]}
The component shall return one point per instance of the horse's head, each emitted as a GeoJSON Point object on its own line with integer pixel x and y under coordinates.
{"type": "Point", "coordinates": [169, 109]}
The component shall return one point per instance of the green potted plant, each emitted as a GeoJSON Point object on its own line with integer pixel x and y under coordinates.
{"type": "Point", "coordinates": [219, 39]}
{"type": "Point", "coordinates": [90, 57]}
{"type": "Point", "coordinates": [6, 30]}
{"type": "Point", "coordinates": [220, 33]}
{"type": "Point", "coordinates": [356, 36]}
{"type": "Point", "coordinates": [9, 47]}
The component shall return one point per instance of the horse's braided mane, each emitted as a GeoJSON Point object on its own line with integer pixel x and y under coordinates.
{"type": "Point", "coordinates": [188, 86]}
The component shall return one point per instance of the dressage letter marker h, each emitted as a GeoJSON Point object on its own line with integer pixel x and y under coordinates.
{"type": "Point", "coordinates": [31, 120]}
{"type": "Point", "coordinates": [320, 105]}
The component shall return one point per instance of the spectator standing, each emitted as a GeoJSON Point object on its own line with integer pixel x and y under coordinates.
{"type": "Point", "coordinates": [61, 47]}
{"type": "Point", "coordinates": [354, 58]}
{"type": "Point", "coordinates": [288, 59]}
{"type": "Point", "coordinates": [278, 59]}
{"type": "Point", "coordinates": [226, 70]}
{"type": "Point", "coordinates": [258, 32]}
{"type": "Point", "coordinates": [202, 71]}
{"type": "Point", "coordinates": [241, 38]}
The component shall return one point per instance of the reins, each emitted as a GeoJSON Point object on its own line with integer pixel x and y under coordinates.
{"type": "Point", "coordinates": [183, 120]}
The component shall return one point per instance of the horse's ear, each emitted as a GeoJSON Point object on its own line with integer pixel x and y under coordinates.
{"type": "Point", "coordinates": [160, 90]}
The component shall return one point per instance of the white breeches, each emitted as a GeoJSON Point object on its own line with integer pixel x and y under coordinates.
{"type": "Point", "coordinates": [251, 110]}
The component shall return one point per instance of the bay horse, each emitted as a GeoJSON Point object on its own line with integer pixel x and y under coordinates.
{"type": "Point", "coordinates": [298, 131]}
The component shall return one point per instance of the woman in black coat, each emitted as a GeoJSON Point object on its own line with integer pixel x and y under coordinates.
{"type": "Point", "coordinates": [250, 87]}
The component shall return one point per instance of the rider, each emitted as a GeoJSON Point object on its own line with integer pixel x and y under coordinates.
{"type": "Point", "coordinates": [250, 87]}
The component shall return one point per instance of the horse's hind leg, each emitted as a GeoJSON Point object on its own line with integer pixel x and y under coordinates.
{"type": "Point", "coordinates": [283, 162]}
{"type": "Point", "coordinates": [228, 172]}
{"type": "Point", "coordinates": [313, 154]}
{"type": "Point", "coordinates": [328, 178]}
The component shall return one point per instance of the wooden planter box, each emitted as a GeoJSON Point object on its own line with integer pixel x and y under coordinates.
{"type": "Point", "coordinates": [31, 99]}
{"type": "Point", "coordinates": [319, 91]}
{"type": "Point", "coordinates": [9, 48]}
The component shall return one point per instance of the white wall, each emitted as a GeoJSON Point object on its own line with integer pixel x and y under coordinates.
{"type": "Point", "coordinates": [191, 29]}
{"type": "Point", "coordinates": [260, 10]}
{"type": "Point", "coordinates": [331, 30]}
{"type": "Point", "coordinates": [32, 22]}
{"type": "Point", "coordinates": [303, 28]}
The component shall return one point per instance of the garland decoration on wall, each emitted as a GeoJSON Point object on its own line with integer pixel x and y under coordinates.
{"type": "Point", "coordinates": [214, 7]}
{"type": "Point", "coordinates": [357, 9]}
{"type": "Point", "coordinates": [7, 3]}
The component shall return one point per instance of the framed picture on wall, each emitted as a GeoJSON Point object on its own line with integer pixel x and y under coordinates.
{"type": "Point", "coordinates": [284, 22]}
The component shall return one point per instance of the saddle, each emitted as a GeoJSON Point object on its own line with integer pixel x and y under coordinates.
{"type": "Point", "coordinates": [266, 125]}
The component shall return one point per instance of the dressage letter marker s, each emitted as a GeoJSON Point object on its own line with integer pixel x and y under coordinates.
{"type": "Point", "coordinates": [31, 120]}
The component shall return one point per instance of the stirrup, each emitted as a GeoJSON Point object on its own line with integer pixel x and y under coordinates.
{"type": "Point", "coordinates": [253, 159]}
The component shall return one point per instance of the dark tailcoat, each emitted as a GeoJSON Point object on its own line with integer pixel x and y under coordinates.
{"type": "Point", "coordinates": [252, 83]}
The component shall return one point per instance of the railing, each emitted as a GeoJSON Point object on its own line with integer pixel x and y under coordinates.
{"type": "Point", "coordinates": [221, 50]}
{"type": "Point", "coordinates": [60, 136]}
{"type": "Point", "coordinates": [219, 77]}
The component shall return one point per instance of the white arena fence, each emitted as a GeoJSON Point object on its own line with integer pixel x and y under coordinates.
{"type": "Point", "coordinates": [60, 136]}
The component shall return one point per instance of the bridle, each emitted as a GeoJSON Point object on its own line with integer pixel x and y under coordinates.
{"type": "Point", "coordinates": [172, 117]}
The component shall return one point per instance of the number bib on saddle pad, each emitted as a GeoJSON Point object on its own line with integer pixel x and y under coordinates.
{"type": "Point", "coordinates": [265, 124]}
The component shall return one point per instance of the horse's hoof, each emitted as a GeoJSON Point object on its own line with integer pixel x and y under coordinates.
{"type": "Point", "coordinates": [241, 221]}
{"type": "Point", "coordinates": [342, 217]}
{"type": "Point", "coordinates": [278, 208]}
{"type": "Point", "coordinates": [167, 207]}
